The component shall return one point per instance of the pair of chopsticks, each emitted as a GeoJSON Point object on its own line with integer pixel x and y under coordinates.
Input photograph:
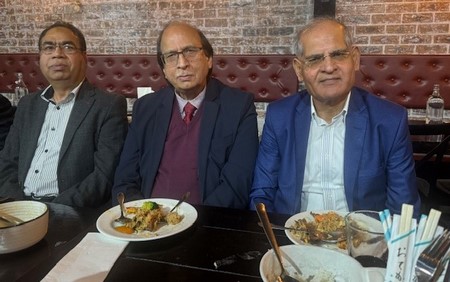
{"type": "Point", "coordinates": [399, 233]}
{"type": "Point", "coordinates": [10, 218]}
{"type": "Point", "coordinates": [405, 221]}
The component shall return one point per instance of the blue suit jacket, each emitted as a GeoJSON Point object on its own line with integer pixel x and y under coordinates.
{"type": "Point", "coordinates": [378, 158]}
{"type": "Point", "coordinates": [227, 148]}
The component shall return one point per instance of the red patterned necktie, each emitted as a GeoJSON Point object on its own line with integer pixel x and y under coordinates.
{"type": "Point", "coordinates": [189, 110]}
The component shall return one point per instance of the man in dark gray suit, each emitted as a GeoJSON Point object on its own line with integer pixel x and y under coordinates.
{"type": "Point", "coordinates": [6, 118]}
{"type": "Point", "coordinates": [65, 141]}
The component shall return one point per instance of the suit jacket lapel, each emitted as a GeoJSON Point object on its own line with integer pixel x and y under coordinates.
{"type": "Point", "coordinates": [37, 115]}
{"type": "Point", "coordinates": [355, 132]}
{"type": "Point", "coordinates": [211, 107]}
{"type": "Point", "coordinates": [83, 103]}
{"type": "Point", "coordinates": [162, 116]}
{"type": "Point", "coordinates": [36, 118]}
{"type": "Point", "coordinates": [301, 127]}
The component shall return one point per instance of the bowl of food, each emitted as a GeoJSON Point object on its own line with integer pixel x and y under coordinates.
{"type": "Point", "coordinates": [313, 263]}
{"type": "Point", "coordinates": [16, 235]}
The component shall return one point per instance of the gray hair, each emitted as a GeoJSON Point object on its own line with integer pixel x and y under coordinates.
{"type": "Point", "coordinates": [298, 46]}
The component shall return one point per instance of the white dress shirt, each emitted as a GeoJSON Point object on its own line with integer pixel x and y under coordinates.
{"type": "Point", "coordinates": [323, 184]}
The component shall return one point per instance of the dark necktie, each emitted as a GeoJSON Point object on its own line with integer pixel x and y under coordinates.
{"type": "Point", "coordinates": [189, 110]}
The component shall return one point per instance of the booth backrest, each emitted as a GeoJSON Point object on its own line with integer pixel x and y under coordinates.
{"type": "Point", "coordinates": [268, 77]}
{"type": "Point", "coordinates": [405, 79]}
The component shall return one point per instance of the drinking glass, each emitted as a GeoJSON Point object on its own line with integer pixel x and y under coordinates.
{"type": "Point", "coordinates": [365, 238]}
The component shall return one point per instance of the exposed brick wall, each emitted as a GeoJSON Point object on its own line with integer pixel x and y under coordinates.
{"type": "Point", "coordinates": [233, 26]}
{"type": "Point", "coordinates": [398, 27]}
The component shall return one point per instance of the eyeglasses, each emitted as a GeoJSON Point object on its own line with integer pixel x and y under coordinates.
{"type": "Point", "coordinates": [67, 48]}
{"type": "Point", "coordinates": [336, 56]}
{"type": "Point", "coordinates": [189, 53]}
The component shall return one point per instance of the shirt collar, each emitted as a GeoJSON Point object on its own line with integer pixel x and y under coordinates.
{"type": "Point", "coordinates": [47, 94]}
{"type": "Point", "coordinates": [197, 101]}
{"type": "Point", "coordinates": [342, 114]}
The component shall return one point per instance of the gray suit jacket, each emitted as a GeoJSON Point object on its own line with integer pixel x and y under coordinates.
{"type": "Point", "coordinates": [89, 152]}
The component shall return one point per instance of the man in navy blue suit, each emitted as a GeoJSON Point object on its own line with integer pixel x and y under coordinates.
{"type": "Point", "coordinates": [198, 135]}
{"type": "Point", "coordinates": [333, 146]}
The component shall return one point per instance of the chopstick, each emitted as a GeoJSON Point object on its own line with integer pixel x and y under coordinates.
{"type": "Point", "coordinates": [431, 225]}
{"type": "Point", "coordinates": [10, 218]}
{"type": "Point", "coordinates": [406, 218]}
{"type": "Point", "coordinates": [386, 221]}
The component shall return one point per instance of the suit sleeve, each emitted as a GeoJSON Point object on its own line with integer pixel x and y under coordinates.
{"type": "Point", "coordinates": [265, 181]}
{"type": "Point", "coordinates": [401, 177]}
{"type": "Point", "coordinates": [9, 160]}
{"type": "Point", "coordinates": [127, 178]}
{"type": "Point", "coordinates": [233, 187]}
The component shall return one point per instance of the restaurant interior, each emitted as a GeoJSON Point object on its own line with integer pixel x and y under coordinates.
{"type": "Point", "coordinates": [405, 48]}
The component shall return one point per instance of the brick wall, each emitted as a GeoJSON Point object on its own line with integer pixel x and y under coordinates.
{"type": "Point", "coordinates": [233, 26]}
{"type": "Point", "coordinates": [398, 27]}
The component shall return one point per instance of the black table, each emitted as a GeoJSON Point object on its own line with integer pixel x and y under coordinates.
{"type": "Point", "coordinates": [218, 234]}
{"type": "Point", "coordinates": [65, 223]}
{"type": "Point", "coordinates": [429, 139]}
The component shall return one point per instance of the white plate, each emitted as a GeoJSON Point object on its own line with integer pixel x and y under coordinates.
{"type": "Point", "coordinates": [106, 224]}
{"type": "Point", "coordinates": [324, 264]}
{"type": "Point", "coordinates": [307, 215]}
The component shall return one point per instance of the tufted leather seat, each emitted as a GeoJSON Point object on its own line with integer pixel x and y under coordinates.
{"type": "Point", "coordinates": [268, 77]}
{"type": "Point", "coordinates": [405, 79]}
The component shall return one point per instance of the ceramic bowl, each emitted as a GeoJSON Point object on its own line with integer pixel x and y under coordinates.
{"type": "Point", "coordinates": [322, 263]}
{"type": "Point", "coordinates": [26, 234]}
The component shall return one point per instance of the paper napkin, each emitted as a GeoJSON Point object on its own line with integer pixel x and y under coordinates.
{"type": "Point", "coordinates": [141, 91]}
{"type": "Point", "coordinates": [90, 260]}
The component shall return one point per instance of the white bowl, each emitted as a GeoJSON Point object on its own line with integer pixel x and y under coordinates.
{"type": "Point", "coordinates": [26, 234]}
{"type": "Point", "coordinates": [323, 263]}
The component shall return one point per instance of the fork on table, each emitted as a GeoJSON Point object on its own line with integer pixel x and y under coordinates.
{"type": "Point", "coordinates": [433, 258]}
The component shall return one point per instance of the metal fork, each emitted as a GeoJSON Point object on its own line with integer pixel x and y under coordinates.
{"type": "Point", "coordinates": [431, 257]}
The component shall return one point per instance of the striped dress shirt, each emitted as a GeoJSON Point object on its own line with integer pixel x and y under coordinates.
{"type": "Point", "coordinates": [42, 179]}
{"type": "Point", "coordinates": [323, 185]}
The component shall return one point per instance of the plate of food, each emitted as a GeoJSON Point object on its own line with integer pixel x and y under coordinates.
{"type": "Point", "coordinates": [151, 219]}
{"type": "Point", "coordinates": [321, 228]}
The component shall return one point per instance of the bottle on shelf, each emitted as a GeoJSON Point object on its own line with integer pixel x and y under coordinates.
{"type": "Point", "coordinates": [20, 90]}
{"type": "Point", "coordinates": [435, 107]}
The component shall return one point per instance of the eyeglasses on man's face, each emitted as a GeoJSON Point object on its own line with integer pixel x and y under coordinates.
{"type": "Point", "coordinates": [189, 53]}
{"type": "Point", "coordinates": [315, 61]}
{"type": "Point", "coordinates": [49, 48]}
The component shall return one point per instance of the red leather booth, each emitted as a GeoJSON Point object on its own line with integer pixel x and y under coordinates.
{"type": "Point", "coordinates": [405, 79]}
{"type": "Point", "coordinates": [268, 77]}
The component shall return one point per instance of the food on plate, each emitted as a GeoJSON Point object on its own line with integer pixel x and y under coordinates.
{"type": "Point", "coordinates": [328, 226]}
{"type": "Point", "coordinates": [124, 229]}
{"type": "Point", "coordinates": [173, 218]}
{"type": "Point", "coordinates": [149, 217]}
